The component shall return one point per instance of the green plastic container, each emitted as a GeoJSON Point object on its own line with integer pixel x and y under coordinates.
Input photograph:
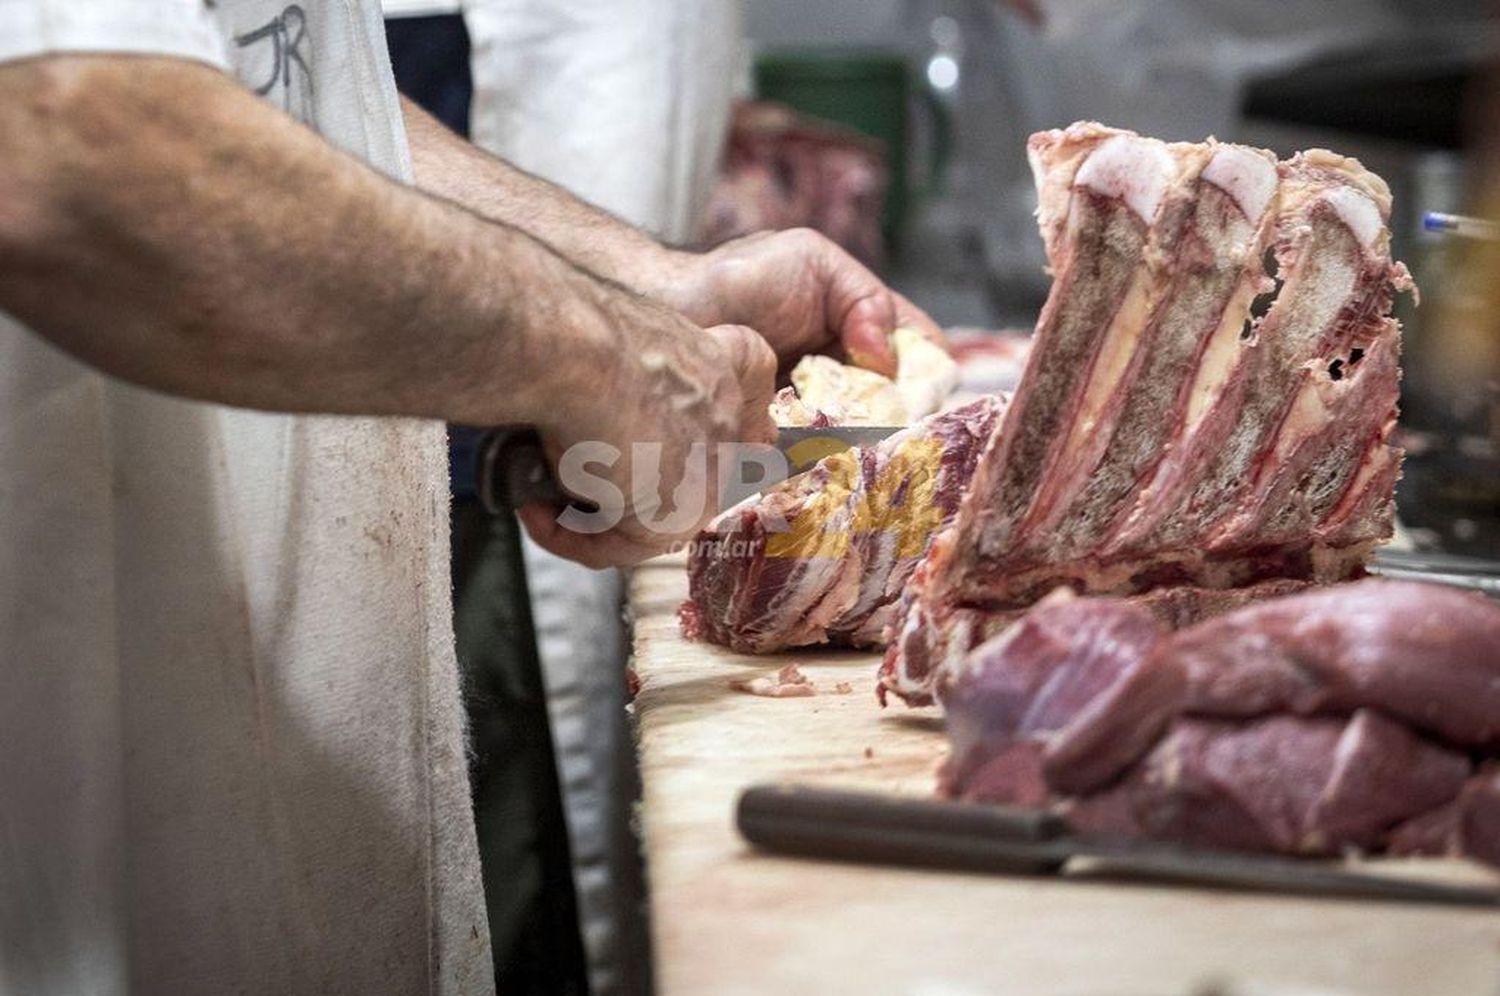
{"type": "Point", "coordinates": [864, 89]}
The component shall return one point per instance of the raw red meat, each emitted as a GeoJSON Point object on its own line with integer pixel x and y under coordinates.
{"type": "Point", "coordinates": [922, 652]}
{"type": "Point", "coordinates": [1468, 825]}
{"type": "Point", "coordinates": [1280, 783]}
{"type": "Point", "coordinates": [1163, 441]}
{"type": "Point", "coordinates": [1069, 696]}
{"type": "Point", "coordinates": [1301, 725]}
{"type": "Point", "coordinates": [1432, 834]}
{"type": "Point", "coordinates": [1425, 654]}
{"type": "Point", "coordinates": [824, 556]}
{"type": "Point", "coordinates": [785, 170]}
{"type": "Point", "coordinates": [1479, 817]}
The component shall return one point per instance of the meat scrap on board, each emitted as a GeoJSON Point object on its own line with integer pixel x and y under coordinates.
{"type": "Point", "coordinates": [1192, 430]}
{"type": "Point", "coordinates": [1338, 719]}
{"type": "Point", "coordinates": [787, 683]}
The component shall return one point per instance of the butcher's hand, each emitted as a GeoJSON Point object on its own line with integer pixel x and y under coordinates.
{"type": "Point", "coordinates": [802, 293]}
{"type": "Point", "coordinates": [641, 438]}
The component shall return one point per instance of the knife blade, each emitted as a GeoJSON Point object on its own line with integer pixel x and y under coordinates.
{"type": "Point", "coordinates": [868, 828]}
{"type": "Point", "coordinates": [797, 449]}
{"type": "Point", "coordinates": [1439, 568]}
{"type": "Point", "coordinates": [804, 446]}
{"type": "Point", "coordinates": [512, 468]}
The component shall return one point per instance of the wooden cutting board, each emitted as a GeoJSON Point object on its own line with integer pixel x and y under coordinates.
{"type": "Point", "coordinates": [728, 920]}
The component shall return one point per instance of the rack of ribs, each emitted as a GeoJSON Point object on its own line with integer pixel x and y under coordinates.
{"type": "Point", "coordinates": [1205, 419]}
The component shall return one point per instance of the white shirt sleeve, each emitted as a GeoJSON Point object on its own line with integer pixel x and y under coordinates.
{"type": "Point", "coordinates": [181, 28]}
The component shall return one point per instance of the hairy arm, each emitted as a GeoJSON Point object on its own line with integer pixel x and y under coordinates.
{"type": "Point", "coordinates": [796, 288]}
{"type": "Point", "coordinates": [450, 167]}
{"type": "Point", "coordinates": [164, 225]}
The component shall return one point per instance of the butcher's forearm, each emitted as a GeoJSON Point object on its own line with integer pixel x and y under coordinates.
{"type": "Point", "coordinates": [796, 288]}
{"type": "Point", "coordinates": [213, 248]}
{"type": "Point", "coordinates": [448, 166]}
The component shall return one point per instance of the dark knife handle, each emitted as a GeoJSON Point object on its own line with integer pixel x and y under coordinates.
{"type": "Point", "coordinates": [878, 829]}
{"type": "Point", "coordinates": [863, 827]}
{"type": "Point", "coordinates": [512, 470]}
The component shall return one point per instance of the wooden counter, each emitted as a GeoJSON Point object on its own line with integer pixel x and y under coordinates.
{"type": "Point", "coordinates": [728, 920]}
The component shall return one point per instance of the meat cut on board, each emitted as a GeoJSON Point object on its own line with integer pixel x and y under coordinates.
{"type": "Point", "coordinates": [1362, 716]}
{"type": "Point", "coordinates": [824, 556]}
{"type": "Point", "coordinates": [1204, 422]}
{"type": "Point", "coordinates": [1205, 419]}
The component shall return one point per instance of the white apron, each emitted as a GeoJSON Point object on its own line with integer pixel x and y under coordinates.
{"type": "Point", "coordinates": [231, 750]}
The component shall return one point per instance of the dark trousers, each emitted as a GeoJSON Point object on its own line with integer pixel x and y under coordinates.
{"type": "Point", "coordinates": [523, 837]}
{"type": "Point", "coordinates": [430, 57]}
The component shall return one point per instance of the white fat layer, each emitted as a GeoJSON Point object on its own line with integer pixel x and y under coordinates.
{"type": "Point", "coordinates": [1245, 175]}
{"type": "Point", "coordinates": [1309, 412]}
{"type": "Point", "coordinates": [1368, 468]}
{"type": "Point", "coordinates": [925, 374]}
{"type": "Point", "coordinates": [1223, 354]}
{"type": "Point", "coordinates": [1120, 341]}
{"type": "Point", "coordinates": [1332, 564]}
{"type": "Point", "coordinates": [1358, 212]}
{"type": "Point", "coordinates": [1136, 170]}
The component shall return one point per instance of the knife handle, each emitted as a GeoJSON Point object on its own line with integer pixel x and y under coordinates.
{"type": "Point", "coordinates": [513, 470]}
{"type": "Point", "coordinates": [863, 827]}
{"type": "Point", "coordinates": [878, 829]}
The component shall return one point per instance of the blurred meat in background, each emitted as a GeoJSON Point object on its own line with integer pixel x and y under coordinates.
{"type": "Point", "coordinates": [989, 362]}
{"type": "Point", "coordinates": [783, 169]}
